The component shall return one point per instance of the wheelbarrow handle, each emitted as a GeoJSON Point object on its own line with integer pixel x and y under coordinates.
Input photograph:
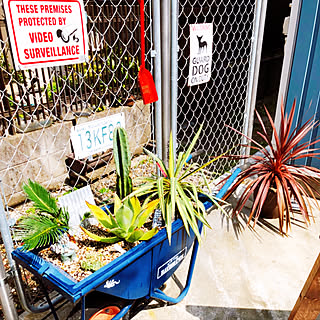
{"type": "Point", "coordinates": [158, 294]}
{"type": "Point", "coordinates": [195, 154]}
{"type": "Point", "coordinates": [228, 183]}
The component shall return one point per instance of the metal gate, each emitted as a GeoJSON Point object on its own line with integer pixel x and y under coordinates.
{"type": "Point", "coordinates": [221, 101]}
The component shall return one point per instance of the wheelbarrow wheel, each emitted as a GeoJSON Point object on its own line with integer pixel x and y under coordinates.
{"type": "Point", "coordinates": [99, 306]}
{"type": "Point", "coordinates": [106, 313]}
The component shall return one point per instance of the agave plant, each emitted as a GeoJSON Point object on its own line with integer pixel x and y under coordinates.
{"type": "Point", "coordinates": [44, 226]}
{"type": "Point", "coordinates": [127, 221]}
{"type": "Point", "coordinates": [276, 170]}
{"type": "Point", "coordinates": [175, 193]}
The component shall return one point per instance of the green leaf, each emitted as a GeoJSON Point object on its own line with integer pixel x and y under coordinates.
{"type": "Point", "coordinates": [101, 216]}
{"type": "Point", "coordinates": [135, 235]}
{"type": "Point", "coordinates": [149, 208]}
{"type": "Point", "coordinates": [178, 162]}
{"type": "Point", "coordinates": [187, 153]}
{"type": "Point", "coordinates": [205, 181]}
{"type": "Point", "coordinates": [116, 203]}
{"type": "Point", "coordinates": [119, 232]}
{"type": "Point", "coordinates": [42, 199]}
{"type": "Point", "coordinates": [186, 202]}
{"type": "Point", "coordinates": [149, 234]}
{"type": "Point", "coordinates": [136, 207]}
{"type": "Point", "coordinates": [168, 219]}
{"type": "Point", "coordinates": [200, 213]}
{"type": "Point", "coordinates": [184, 215]}
{"type": "Point", "coordinates": [193, 191]}
{"type": "Point", "coordinates": [38, 230]}
{"type": "Point", "coordinates": [145, 189]}
{"type": "Point", "coordinates": [173, 191]}
{"type": "Point", "coordinates": [124, 216]}
{"type": "Point", "coordinates": [101, 239]}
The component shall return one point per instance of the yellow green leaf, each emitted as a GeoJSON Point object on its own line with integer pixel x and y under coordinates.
{"type": "Point", "coordinates": [100, 215]}
{"type": "Point", "coordinates": [117, 203]}
{"type": "Point", "coordinates": [149, 234]}
{"type": "Point", "coordinates": [101, 239]}
{"type": "Point", "coordinates": [150, 207]}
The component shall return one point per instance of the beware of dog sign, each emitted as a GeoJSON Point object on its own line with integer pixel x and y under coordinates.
{"type": "Point", "coordinates": [201, 36]}
{"type": "Point", "coordinates": [46, 33]}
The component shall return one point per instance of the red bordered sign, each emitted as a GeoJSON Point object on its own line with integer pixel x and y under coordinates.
{"type": "Point", "coordinates": [46, 33]}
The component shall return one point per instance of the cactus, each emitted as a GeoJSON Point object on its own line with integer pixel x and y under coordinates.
{"type": "Point", "coordinates": [122, 158]}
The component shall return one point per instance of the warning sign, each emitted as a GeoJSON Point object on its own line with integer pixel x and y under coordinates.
{"type": "Point", "coordinates": [201, 36]}
{"type": "Point", "coordinates": [46, 33]}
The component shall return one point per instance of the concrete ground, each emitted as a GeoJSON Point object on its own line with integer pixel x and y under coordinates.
{"type": "Point", "coordinates": [245, 274]}
{"type": "Point", "coordinates": [242, 273]}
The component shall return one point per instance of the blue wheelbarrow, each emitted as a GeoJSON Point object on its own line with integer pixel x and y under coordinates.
{"type": "Point", "coordinates": [133, 278]}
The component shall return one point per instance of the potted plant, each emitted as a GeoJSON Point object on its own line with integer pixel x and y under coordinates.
{"type": "Point", "coordinates": [175, 195]}
{"type": "Point", "coordinates": [274, 176]}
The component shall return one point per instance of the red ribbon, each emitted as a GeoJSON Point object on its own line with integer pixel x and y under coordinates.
{"type": "Point", "coordinates": [143, 45]}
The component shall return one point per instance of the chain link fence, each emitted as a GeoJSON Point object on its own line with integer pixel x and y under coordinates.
{"type": "Point", "coordinates": [222, 100]}
{"type": "Point", "coordinates": [39, 107]}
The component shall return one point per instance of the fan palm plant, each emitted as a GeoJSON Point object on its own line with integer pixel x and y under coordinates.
{"type": "Point", "coordinates": [275, 169]}
{"type": "Point", "coordinates": [46, 224]}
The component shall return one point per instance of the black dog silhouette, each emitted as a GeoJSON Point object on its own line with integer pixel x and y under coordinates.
{"type": "Point", "coordinates": [202, 44]}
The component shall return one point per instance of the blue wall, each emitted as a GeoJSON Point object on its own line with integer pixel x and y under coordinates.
{"type": "Point", "coordinates": [304, 83]}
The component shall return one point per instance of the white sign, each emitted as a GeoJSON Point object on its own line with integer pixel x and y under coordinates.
{"type": "Point", "coordinates": [47, 33]}
{"type": "Point", "coordinates": [201, 37]}
{"type": "Point", "coordinates": [95, 136]}
{"type": "Point", "coordinates": [75, 203]}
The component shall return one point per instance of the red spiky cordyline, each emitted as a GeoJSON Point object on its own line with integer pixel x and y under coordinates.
{"type": "Point", "coordinates": [277, 170]}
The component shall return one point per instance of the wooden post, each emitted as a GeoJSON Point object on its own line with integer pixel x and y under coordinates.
{"type": "Point", "coordinates": [308, 303]}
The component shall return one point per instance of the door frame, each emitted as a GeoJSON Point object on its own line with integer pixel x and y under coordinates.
{"type": "Point", "coordinates": [289, 51]}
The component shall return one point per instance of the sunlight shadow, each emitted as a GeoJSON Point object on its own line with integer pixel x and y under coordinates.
{"type": "Point", "coordinates": [221, 313]}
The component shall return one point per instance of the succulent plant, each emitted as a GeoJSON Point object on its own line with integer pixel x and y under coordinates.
{"type": "Point", "coordinates": [127, 221]}
{"type": "Point", "coordinates": [92, 263]}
